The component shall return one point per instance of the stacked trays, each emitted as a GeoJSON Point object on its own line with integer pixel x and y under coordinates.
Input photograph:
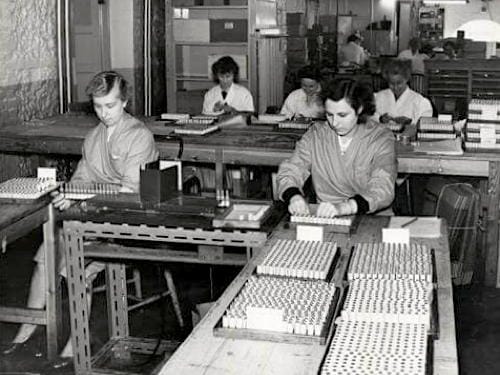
{"type": "Point", "coordinates": [313, 219]}
{"type": "Point", "coordinates": [383, 327]}
{"type": "Point", "coordinates": [28, 188]}
{"type": "Point", "coordinates": [302, 259]}
{"type": "Point", "coordinates": [483, 125]}
{"type": "Point", "coordinates": [87, 190]}
{"type": "Point", "coordinates": [430, 128]}
{"type": "Point", "coordinates": [196, 126]}
{"type": "Point", "coordinates": [290, 294]}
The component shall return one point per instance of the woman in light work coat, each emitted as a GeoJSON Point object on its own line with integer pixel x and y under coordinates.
{"type": "Point", "coordinates": [351, 159]}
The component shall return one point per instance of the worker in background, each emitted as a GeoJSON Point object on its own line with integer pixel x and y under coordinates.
{"type": "Point", "coordinates": [399, 103]}
{"type": "Point", "coordinates": [448, 52]}
{"type": "Point", "coordinates": [413, 54]}
{"type": "Point", "coordinates": [113, 153]}
{"type": "Point", "coordinates": [227, 96]}
{"type": "Point", "coordinates": [352, 53]}
{"type": "Point", "coordinates": [350, 158]}
{"type": "Point", "coordinates": [306, 101]}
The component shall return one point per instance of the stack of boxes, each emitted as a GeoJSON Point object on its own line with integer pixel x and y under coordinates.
{"type": "Point", "coordinates": [483, 125]}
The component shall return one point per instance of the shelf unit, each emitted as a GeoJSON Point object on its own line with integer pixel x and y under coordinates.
{"type": "Point", "coordinates": [430, 23]}
{"type": "Point", "coordinates": [197, 35]}
{"type": "Point", "coordinates": [451, 84]}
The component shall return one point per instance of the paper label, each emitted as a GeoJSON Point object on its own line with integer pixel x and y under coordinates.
{"type": "Point", "coordinates": [396, 235]}
{"type": "Point", "coordinates": [265, 318]}
{"type": "Point", "coordinates": [309, 233]}
{"type": "Point", "coordinates": [487, 132]}
{"type": "Point", "coordinates": [444, 118]}
{"type": "Point", "coordinates": [49, 173]}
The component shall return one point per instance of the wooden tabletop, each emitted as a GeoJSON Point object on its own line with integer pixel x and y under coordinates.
{"type": "Point", "coordinates": [202, 353]}
{"type": "Point", "coordinates": [255, 144]}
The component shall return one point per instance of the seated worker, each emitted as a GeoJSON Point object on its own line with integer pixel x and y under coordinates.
{"type": "Point", "coordinates": [350, 158]}
{"type": "Point", "coordinates": [227, 96]}
{"type": "Point", "coordinates": [448, 52]}
{"type": "Point", "coordinates": [399, 103]}
{"type": "Point", "coordinates": [306, 101]}
{"type": "Point", "coordinates": [113, 152]}
{"type": "Point", "coordinates": [413, 54]}
{"type": "Point", "coordinates": [352, 52]}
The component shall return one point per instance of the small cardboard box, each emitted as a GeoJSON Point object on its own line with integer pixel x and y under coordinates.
{"type": "Point", "coordinates": [157, 185]}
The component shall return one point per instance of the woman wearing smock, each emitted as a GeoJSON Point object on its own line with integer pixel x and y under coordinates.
{"type": "Point", "coordinates": [306, 101]}
{"type": "Point", "coordinates": [350, 158]}
{"type": "Point", "coordinates": [399, 103]}
{"type": "Point", "coordinates": [227, 96]}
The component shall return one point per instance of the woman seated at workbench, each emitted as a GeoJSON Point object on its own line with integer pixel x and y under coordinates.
{"type": "Point", "coordinates": [399, 103]}
{"type": "Point", "coordinates": [112, 153]}
{"type": "Point", "coordinates": [228, 96]}
{"type": "Point", "coordinates": [350, 158]}
{"type": "Point", "coordinates": [306, 101]}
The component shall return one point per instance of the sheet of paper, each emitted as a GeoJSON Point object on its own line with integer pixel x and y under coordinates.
{"type": "Point", "coordinates": [396, 235]}
{"type": "Point", "coordinates": [309, 233]}
{"type": "Point", "coordinates": [424, 227]}
{"type": "Point", "coordinates": [177, 163]}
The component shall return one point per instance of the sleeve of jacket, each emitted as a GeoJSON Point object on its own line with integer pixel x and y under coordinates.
{"type": "Point", "coordinates": [379, 192]}
{"type": "Point", "coordinates": [142, 151]}
{"type": "Point", "coordinates": [424, 108]}
{"type": "Point", "coordinates": [293, 172]}
{"type": "Point", "coordinates": [287, 109]}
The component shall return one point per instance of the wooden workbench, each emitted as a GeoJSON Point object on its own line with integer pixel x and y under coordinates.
{"type": "Point", "coordinates": [202, 353]}
{"type": "Point", "coordinates": [261, 145]}
{"type": "Point", "coordinates": [17, 220]}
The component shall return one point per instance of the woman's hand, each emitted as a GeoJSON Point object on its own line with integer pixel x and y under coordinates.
{"type": "Point", "coordinates": [327, 209]}
{"type": "Point", "coordinates": [298, 205]}
{"type": "Point", "coordinates": [219, 106]}
{"type": "Point", "coordinates": [60, 202]}
{"type": "Point", "coordinates": [385, 118]}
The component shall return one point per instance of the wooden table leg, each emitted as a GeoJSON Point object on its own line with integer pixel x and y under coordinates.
{"type": "Point", "coordinates": [491, 261]}
{"type": "Point", "coordinates": [53, 297]}
{"type": "Point", "coordinates": [219, 170]}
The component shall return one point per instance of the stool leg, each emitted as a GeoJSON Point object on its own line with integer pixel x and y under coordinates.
{"type": "Point", "coordinates": [173, 295]}
{"type": "Point", "coordinates": [137, 283]}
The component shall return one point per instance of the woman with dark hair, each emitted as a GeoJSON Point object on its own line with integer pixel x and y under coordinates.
{"type": "Point", "coordinates": [400, 103]}
{"type": "Point", "coordinates": [306, 101]}
{"type": "Point", "coordinates": [351, 159]}
{"type": "Point", "coordinates": [227, 96]}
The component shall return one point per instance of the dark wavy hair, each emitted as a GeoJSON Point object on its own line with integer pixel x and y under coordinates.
{"type": "Point", "coordinates": [397, 67]}
{"type": "Point", "coordinates": [309, 71]}
{"type": "Point", "coordinates": [102, 83]}
{"type": "Point", "coordinates": [357, 93]}
{"type": "Point", "coordinates": [225, 65]}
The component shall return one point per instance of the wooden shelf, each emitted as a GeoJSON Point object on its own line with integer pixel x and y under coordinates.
{"type": "Point", "coordinates": [213, 44]}
{"type": "Point", "coordinates": [221, 7]}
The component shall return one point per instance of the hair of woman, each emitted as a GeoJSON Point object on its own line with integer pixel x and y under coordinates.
{"type": "Point", "coordinates": [225, 65]}
{"type": "Point", "coordinates": [397, 67]}
{"type": "Point", "coordinates": [102, 83]}
{"type": "Point", "coordinates": [357, 93]}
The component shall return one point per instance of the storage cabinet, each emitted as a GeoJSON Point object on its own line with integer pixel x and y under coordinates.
{"type": "Point", "coordinates": [202, 31]}
{"type": "Point", "coordinates": [451, 84]}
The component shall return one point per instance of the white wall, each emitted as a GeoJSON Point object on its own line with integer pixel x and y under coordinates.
{"type": "Point", "coordinates": [121, 33]}
{"type": "Point", "coordinates": [457, 15]}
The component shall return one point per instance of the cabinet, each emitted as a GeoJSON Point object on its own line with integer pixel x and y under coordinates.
{"type": "Point", "coordinates": [451, 84]}
{"type": "Point", "coordinates": [200, 32]}
{"type": "Point", "coordinates": [430, 23]}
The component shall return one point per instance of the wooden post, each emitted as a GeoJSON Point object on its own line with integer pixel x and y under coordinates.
{"type": "Point", "coordinates": [491, 261]}
{"type": "Point", "coordinates": [170, 57]}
